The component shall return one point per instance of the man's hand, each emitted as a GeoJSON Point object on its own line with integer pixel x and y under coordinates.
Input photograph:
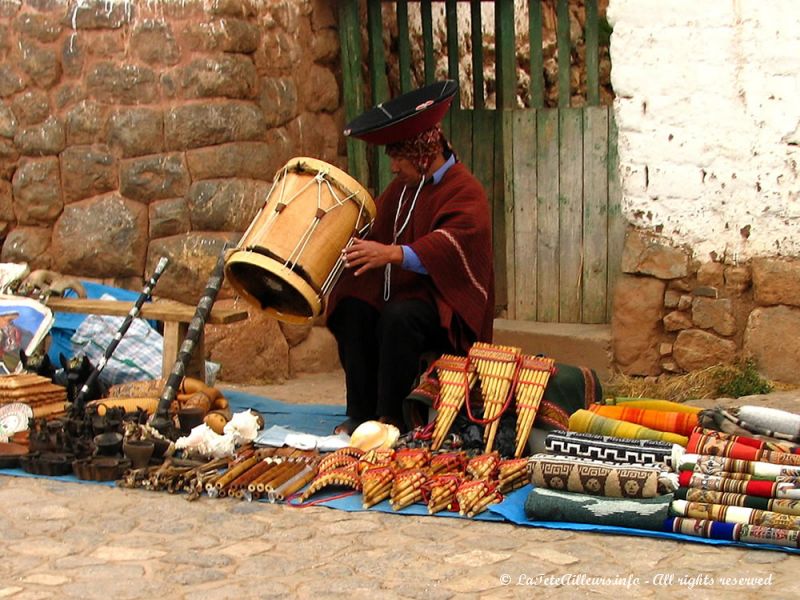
{"type": "Point", "coordinates": [365, 255]}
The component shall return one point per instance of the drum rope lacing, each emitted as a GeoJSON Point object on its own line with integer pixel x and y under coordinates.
{"type": "Point", "coordinates": [387, 273]}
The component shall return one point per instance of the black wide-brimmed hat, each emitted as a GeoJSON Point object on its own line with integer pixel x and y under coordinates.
{"type": "Point", "coordinates": [405, 116]}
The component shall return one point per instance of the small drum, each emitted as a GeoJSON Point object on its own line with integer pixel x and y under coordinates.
{"type": "Point", "coordinates": [291, 255]}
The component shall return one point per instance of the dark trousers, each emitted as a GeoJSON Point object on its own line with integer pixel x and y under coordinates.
{"type": "Point", "coordinates": [380, 352]}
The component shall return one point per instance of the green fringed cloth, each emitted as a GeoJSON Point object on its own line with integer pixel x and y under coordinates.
{"type": "Point", "coordinates": [733, 514]}
{"type": "Point", "coordinates": [585, 421]}
{"type": "Point", "coordinates": [552, 505]}
{"type": "Point", "coordinates": [717, 465]}
{"type": "Point", "coordinates": [755, 487]}
{"type": "Point", "coordinates": [778, 505]}
{"type": "Point", "coordinates": [598, 478]}
{"type": "Point", "coordinates": [717, 443]}
{"type": "Point", "coordinates": [737, 532]}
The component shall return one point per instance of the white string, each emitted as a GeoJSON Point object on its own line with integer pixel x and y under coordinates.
{"type": "Point", "coordinates": [387, 272]}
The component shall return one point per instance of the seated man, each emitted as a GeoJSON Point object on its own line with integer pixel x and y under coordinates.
{"type": "Point", "coordinates": [423, 279]}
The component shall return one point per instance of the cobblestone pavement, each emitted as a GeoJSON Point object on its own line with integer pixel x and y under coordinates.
{"type": "Point", "coordinates": [91, 541]}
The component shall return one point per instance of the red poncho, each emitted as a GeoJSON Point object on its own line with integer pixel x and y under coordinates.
{"type": "Point", "coordinates": [450, 230]}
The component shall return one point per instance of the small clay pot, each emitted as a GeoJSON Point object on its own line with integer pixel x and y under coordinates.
{"type": "Point", "coordinates": [105, 468]}
{"type": "Point", "coordinates": [189, 418]}
{"type": "Point", "coordinates": [139, 452]}
{"type": "Point", "coordinates": [82, 469]}
{"type": "Point", "coordinates": [108, 444]}
{"type": "Point", "coordinates": [159, 447]}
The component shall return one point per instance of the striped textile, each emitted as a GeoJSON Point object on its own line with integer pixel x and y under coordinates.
{"type": "Point", "coordinates": [737, 532]}
{"type": "Point", "coordinates": [585, 421]}
{"type": "Point", "coordinates": [716, 443]}
{"type": "Point", "coordinates": [733, 514]}
{"type": "Point", "coordinates": [769, 421]}
{"type": "Point", "coordinates": [752, 487]}
{"type": "Point", "coordinates": [610, 449]}
{"type": "Point", "coordinates": [778, 505]}
{"type": "Point", "coordinates": [651, 404]}
{"type": "Point", "coordinates": [552, 505]}
{"type": "Point", "coordinates": [675, 422]}
{"type": "Point", "coordinates": [715, 465]}
{"type": "Point", "coordinates": [597, 478]}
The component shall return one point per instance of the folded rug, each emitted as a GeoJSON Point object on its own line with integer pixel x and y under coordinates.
{"type": "Point", "coordinates": [675, 422]}
{"type": "Point", "coordinates": [651, 404]}
{"type": "Point", "coordinates": [610, 449]}
{"type": "Point", "coordinates": [585, 421]}
{"type": "Point", "coordinates": [733, 514]}
{"type": "Point", "coordinates": [715, 465]}
{"type": "Point", "coordinates": [597, 478]}
{"type": "Point", "coordinates": [552, 505]}
{"type": "Point", "coordinates": [717, 443]}
{"type": "Point", "coordinates": [769, 421]}
{"type": "Point", "coordinates": [753, 534]}
{"type": "Point", "coordinates": [729, 422]}
{"type": "Point", "coordinates": [765, 489]}
{"type": "Point", "coordinates": [779, 505]}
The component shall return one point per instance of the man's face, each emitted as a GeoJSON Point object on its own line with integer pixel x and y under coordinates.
{"type": "Point", "coordinates": [405, 171]}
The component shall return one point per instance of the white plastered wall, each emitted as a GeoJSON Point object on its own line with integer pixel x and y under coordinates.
{"type": "Point", "coordinates": [708, 110]}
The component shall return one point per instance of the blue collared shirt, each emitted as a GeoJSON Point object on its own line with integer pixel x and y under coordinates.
{"type": "Point", "coordinates": [411, 261]}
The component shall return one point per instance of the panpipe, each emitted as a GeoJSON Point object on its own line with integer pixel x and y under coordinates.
{"type": "Point", "coordinates": [456, 379]}
{"type": "Point", "coordinates": [497, 369]}
{"type": "Point", "coordinates": [534, 373]}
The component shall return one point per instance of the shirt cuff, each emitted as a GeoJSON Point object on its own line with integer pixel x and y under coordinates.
{"type": "Point", "coordinates": [411, 261]}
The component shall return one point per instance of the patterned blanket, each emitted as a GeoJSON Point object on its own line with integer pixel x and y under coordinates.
{"type": "Point", "coordinates": [610, 449]}
{"type": "Point", "coordinates": [597, 478]}
{"type": "Point", "coordinates": [717, 443]}
{"type": "Point", "coordinates": [779, 505]}
{"type": "Point", "coordinates": [675, 422]}
{"type": "Point", "coordinates": [734, 514]}
{"type": "Point", "coordinates": [716, 465]}
{"type": "Point", "coordinates": [585, 421]}
{"type": "Point", "coordinates": [762, 488]}
{"type": "Point", "coordinates": [754, 534]}
{"type": "Point", "coordinates": [552, 505]}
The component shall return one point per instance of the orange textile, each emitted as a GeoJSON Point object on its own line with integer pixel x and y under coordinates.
{"type": "Point", "coordinates": [673, 422]}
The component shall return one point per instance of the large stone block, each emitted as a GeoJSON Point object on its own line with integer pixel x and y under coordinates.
{"type": "Point", "coordinates": [192, 257]}
{"type": "Point", "coordinates": [73, 55]}
{"type": "Point", "coordinates": [10, 81]}
{"type": "Point", "coordinates": [31, 107]}
{"type": "Point", "coordinates": [221, 35]}
{"type": "Point", "coordinates": [695, 349]}
{"type": "Point", "coordinates": [315, 135]}
{"type": "Point", "coordinates": [224, 75]}
{"type": "Point", "coordinates": [44, 139]}
{"type": "Point", "coordinates": [709, 313]}
{"type": "Point", "coordinates": [645, 255]}
{"type": "Point", "coordinates": [765, 326]}
{"type": "Point", "coordinates": [136, 131]}
{"type": "Point", "coordinates": [8, 122]}
{"type": "Point", "coordinates": [232, 8]}
{"type": "Point", "coordinates": [37, 191]}
{"type": "Point", "coordinates": [776, 281]}
{"type": "Point", "coordinates": [40, 27]}
{"type": "Point", "coordinates": [99, 14]}
{"type": "Point", "coordinates": [8, 159]}
{"type": "Point", "coordinates": [249, 160]}
{"type": "Point", "coordinates": [28, 245]}
{"type": "Point", "coordinates": [316, 354]}
{"type": "Point", "coordinates": [206, 124]}
{"type": "Point", "coordinates": [113, 245]}
{"type": "Point", "coordinates": [153, 42]}
{"type": "Point", "coordinates": [225, 205]}
{"type": "Point", "coordinates": [87, 171]}
{"type": "Point", "coordinates": [6, 202]}
{"type": "Point", "coordinates": [320, 90]}
{"type": "Point", "coordinates": [9, 8]}
{"type": "Point", "coordinates": [325, 46]}
{"type": "Point", "coordinates": [252, 351]}
{"type": "Point", "coordinates": [154, 177]}
{"type": "Point", "coordinates": [636, 324]}
{"type": "Point", "coordinates": [279, 54]}
{"type": "Point", "coordinates": [85, 123]}
{"type": "Point", "coordinates": [278, 100]}
{"type": "Point", "coordinates": [41, 64]}
{"type": "Point", "coordinates": [169, 217]}
{"type": "Point", "coordinates": [122, 84]}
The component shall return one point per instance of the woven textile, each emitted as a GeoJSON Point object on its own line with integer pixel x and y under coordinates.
{"type": "Point", "coordinates": [716, 443]}
{"type": "Point", "coordinates": [754, 534]}
{"type": "Point", "coordinates": [594, 477]}
{"type": "Point", "coordinates": [551, 505]}
{"type": "Point", "coordinates": [770, 421]}
{"type": "Point", "coordinates": [651, 404]}
{"type": "Point", "coordinates": [585, 421]}
{"type": "Point", "coordinates": [715, 465]}
{"type": "Point", "coordinates": [733, 514]}
{"type": "Point", "coordinates": [763, 488]}
{"type": "Point", "coordinates": [779, 505]}
{"type": "Point", "coordinates": [726, 421]}
{"type": "Point", "coordinates": [610, 449]}
{"type": "Point", "coordinates": [675, 422]}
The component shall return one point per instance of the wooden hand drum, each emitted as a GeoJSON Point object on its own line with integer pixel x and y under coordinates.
{"type": "Point", "coordinates": [291, 254]}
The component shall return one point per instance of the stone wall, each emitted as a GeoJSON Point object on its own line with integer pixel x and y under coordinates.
{"type": "Point", "coordinates": [675, 314]}
{"type": "Point", "coordinates": [133, 130]}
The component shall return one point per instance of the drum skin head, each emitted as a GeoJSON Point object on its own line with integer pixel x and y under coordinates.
{"type": "Point", "coordinates": [268, 284]}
